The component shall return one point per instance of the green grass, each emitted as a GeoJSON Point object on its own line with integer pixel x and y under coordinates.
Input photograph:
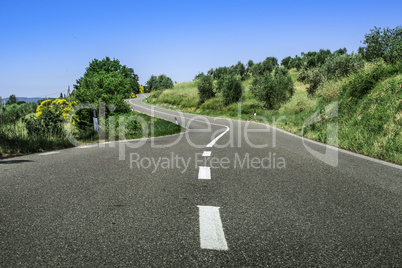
{"type": "Point", "coordinates": [370, 125]}
{"type": "Point", "coordinates": [15, 141]}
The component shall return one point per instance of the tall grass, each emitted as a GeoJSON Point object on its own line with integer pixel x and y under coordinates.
{"type": "Point", "coordinates": [14, 139]}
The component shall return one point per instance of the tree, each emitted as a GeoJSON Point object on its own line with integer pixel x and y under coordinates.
{"type": "Point", "coordinates": [151, 83]}
{"type": "Point", "coordinates": [296, 62]}
{"type": "Point", "coordinates": [313, 77]}
{"type": "Point", "coordinates": [205, 85]}
{"type": "Point", "coordinates": [11, 100]}
{"type": "Point", "coordinates": [275, 89]}
{"type": "Point", "coordinates": [285, 62]}
{"type": "Point", "coordinates": [386, 44]}
{"type": "Point", "coordinates": [160, 82]}
{"type": "Point", "coordinates": [106, 81]}
{"type": "Point", "coordinates": [250, 64]}
{"type": "Point", "coordinates": [232, 89]}
{"type": "Point", "coordinates": [240, 69]}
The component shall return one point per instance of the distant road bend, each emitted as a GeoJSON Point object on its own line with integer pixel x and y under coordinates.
{"type": "Point", "coordinates": [224, 193]}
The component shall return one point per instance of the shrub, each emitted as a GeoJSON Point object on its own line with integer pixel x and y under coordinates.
{"type": "Point", "coordinates": [232, 89]}
{"type": "Point", "coordinates": [214, 104]}
{"type": "Point", "coordinates": [273, 90]}
{"type": "Point", "coordinates": [360, 84]}
{"type": "Point", "coordinates": [285, 62]}
{"type": "Point", "coordinates": [205, 87]}
{"type": "Point", "coordinates": [160, 82]}
{"type": "Point", "coordinates": [342, 65]}
{"type": "Point", "coordinates": [313, 77]}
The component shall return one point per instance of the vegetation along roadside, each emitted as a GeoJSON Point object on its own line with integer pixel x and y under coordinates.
{"type": "Point", "coordinates": [40, 126]}
{"type": "Point", "coordinates": [365, 87]}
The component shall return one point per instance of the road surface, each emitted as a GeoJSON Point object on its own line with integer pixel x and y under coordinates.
{"type": "Point", "coordinates": [223, 193]}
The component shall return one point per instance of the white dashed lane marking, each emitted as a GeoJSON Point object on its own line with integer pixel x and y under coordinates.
{"type": "Point", "coordinates": [211, 230]}
{"type": "Point", "coordinates": [204, 173]}
{"type": "Point", "coordinates": [206, 153]}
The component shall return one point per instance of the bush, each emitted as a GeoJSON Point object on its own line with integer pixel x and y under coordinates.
{"type": "Point", "coordinates": [232, 89]}
{"type": "Point", "coordinates": [205, 87]}
{"type": "Point", "coordinates": [273, 90]}
{"type": "Point", "coordinates": [313, 77]}
{"type": "Point", "coordinates": [360, 84]}
{"type": "Point", "coordinates": [342, 65]}
{"type": "Point", "coordinates": [160, 82]}
{"type": "Point", "coordinates": [214, 104]}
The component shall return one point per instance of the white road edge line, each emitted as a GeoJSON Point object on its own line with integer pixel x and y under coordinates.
{"type": "Point", "coordinates": [206, 153]}
{"type": "Point", "coordinates": [211, 230]}
{"type": "Point", "coordinates": [204, 173]}
{"type": "Point", "coordinates": [209, 144]}
{"type": "Point", "coordinates": [49, 153]}
{"type": "Point", "coordinates": [382, 162]}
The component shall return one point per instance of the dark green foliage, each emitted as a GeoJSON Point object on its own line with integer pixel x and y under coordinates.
{"type": "Point", "coordinates": [220, 72]}
{"type": "Point", "coordinates": [250, 64]}
{"type": "Point", "coordinates": [273, 90]}
{"type": "Point", "coordinates": [240, 70]}
{"type": "Point", "coordinates": [341, 65]}
{"type": "Point", "coordinates": [105, 81]}
{"type": "Point", "coordinates": [363, 82]}
{"type": "Point", "coordinates": [296, 62]}
{"type": "Point", "coordinates": [313, 77]}
{"type": "Point", "coordinates": [198, 76]}
{"type": "Point", "coordinates": [14, 112]}
{"type": "Point", "coordinates": [257, 69]}
{"type": "Point", "coordinates": [341, 51]}
{"type": "Point", "coordinates": [267, 66]}
{"type": "Point", "coordinates": [49, 124]}
{"type": "Point", "coordinates": [335, 66]}
{"type": "Point", "coordinates": [313, 59]}
{"type": "Point", "coordinates": [285, 62]}
{"type": "Point", "coordinates": [12, 99]}
{"type": "Point", "coordinates": [232, 89]}
{"type": "Point", "coordinates": [160, 82]}
{"type": "Point", "coordinates": [152, 83]}
{"type": "Point", "coordinates": [385, 43]}
{"type": "Point", "coordinates": [205, 87]}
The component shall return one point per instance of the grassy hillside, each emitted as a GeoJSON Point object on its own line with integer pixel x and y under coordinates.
{"type": "Point", "coordinates": [369, 116]}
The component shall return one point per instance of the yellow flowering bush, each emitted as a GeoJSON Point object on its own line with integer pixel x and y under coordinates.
{"type": "Point", "coordinates": [141, 89]}
{"type": "Point", "coordinates": [60, 106]}
{"type": "Point", "coordinates": [133, 95]}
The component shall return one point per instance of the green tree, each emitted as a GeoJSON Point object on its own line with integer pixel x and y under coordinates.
{"type": "Point", "coordinates": [240, 69]}
{"type": "Point", "coordinates": [106, 81]}
{"type": "Point", "coordinates": [285, 62]}
{"type": "Point", "coordinates": [250, 64]}
{"type": "Point", "coordinates": [11, 100]}
{"type": "Point", "coordinates": [313, 77]}
{"type": "Point", "coordinates": [383, 43]}
{"type": "Point", "coordinates": [273, 90]}
{"type": "Point", "coordinates": [296, 62]}
{"type": "Point", "coordinates": [232, 89]}
{"type": "Point", "coordinates": [205, 85]}
{"type": "Point", "coordinates": [159, 82]}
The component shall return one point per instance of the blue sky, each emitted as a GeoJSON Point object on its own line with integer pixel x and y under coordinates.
{"type": "Point", "coordinates": [46, 45]}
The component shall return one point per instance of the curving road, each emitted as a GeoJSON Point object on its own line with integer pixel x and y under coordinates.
{"type": "Point", "coordinates": [223, 193]}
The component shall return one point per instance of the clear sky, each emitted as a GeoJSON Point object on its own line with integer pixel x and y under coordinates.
{"type": "Point", "coordinates": [46, 45]}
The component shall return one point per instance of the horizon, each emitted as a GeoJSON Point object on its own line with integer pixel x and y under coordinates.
{"type": "Point", "coordinates": [50, 44]}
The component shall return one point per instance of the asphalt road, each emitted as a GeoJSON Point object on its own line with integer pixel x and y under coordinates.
{"type": "Point", "coordinates": [263, 197]}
